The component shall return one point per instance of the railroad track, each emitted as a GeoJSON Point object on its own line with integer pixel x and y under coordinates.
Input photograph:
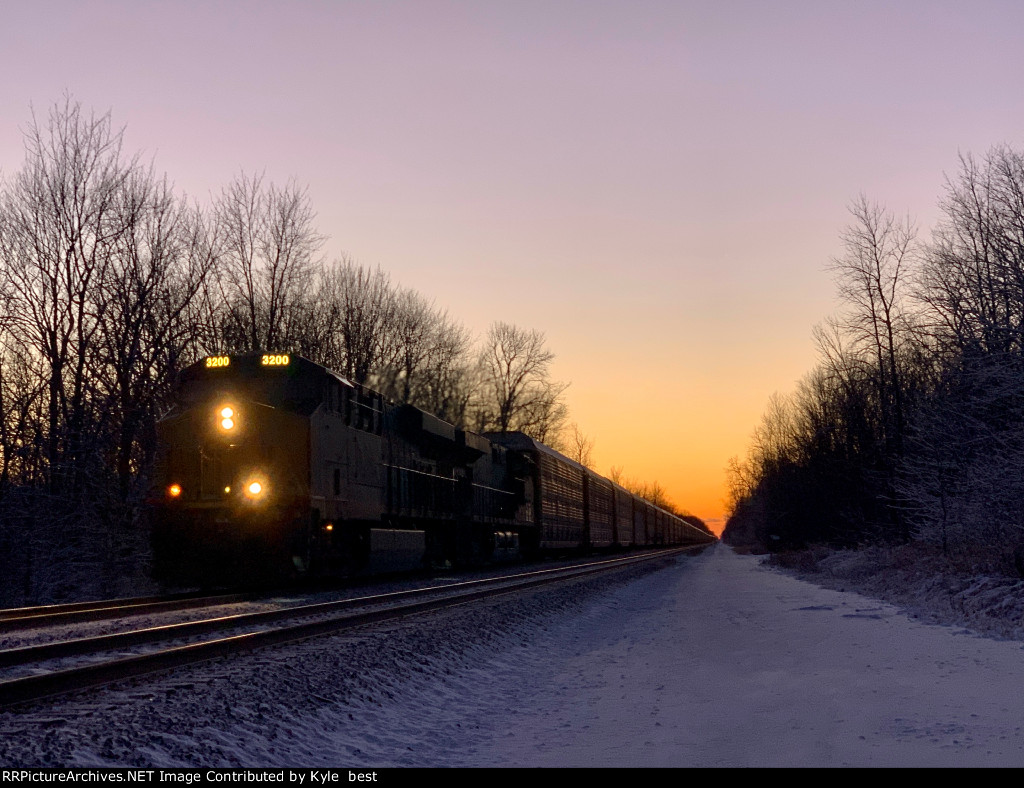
{"type": "Point", "coordinates": [19, 618]}
{"type": "Point", "coordinates": [100, 660]}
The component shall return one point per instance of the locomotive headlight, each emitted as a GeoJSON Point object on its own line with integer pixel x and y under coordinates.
{"type": "Point", "coordinates": [227, 418]}
{"type": "Point", "coordinates": [174, 490]}
{"type": "Point", "coordinates": [255, 489]}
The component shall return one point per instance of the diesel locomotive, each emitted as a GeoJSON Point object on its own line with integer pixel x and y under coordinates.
{"type": "Point", "coordinates": [272, 465]}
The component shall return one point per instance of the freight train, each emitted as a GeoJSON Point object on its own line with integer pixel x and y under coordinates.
{"type": "Point", "coordinates": [271, 465]}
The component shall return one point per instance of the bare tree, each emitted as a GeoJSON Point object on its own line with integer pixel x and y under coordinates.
{"type": "Point", "coordinates": [961, 482]}
{"type": "Point", "coordinates": [656, 494]}
{"type": "Point", "coordinates": [268, 247]}
{"type": "Point", "coordinates": [652, 492]}
{"type": "Point", "coordinates": [872, 277]}
{"type": "Point", "coordinates": [446, 383]}
{"type": "Point", "coordinates": [517, 392]}
{"type": "Point", "coordinates": [63, 217]}
{"type": "Point", "coordinates": [22, 416]}
{"type": "Point", "coordinates": [411, 335]}
{"type": "Point", "coordinates": [354, 311]}
{"type": "Point", "coordinates": [149, 325]}
{"type": "Point", "coordinates": [579, 446]}
{"type": "Point", "coordinates": [973, 279]}
{"type": "Point", "coordinates": [431, 366]}
{"type": "Point", "coordinates": [88, 255]}
{"type": "Point", "coordinates": [740, 483]}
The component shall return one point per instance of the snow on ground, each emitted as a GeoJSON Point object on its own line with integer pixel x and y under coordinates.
{"type": "Point", "coordinates": [710, 660]}
{"type": "Point", "coordinates": [922, 582]}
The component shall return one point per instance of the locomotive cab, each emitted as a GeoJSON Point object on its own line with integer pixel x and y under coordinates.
{"type": "Point", "coordinates": [232, 489]}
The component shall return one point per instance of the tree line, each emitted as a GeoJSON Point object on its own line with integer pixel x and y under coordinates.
{"type": "Point", "coordinates": [911, 426]}
{"type": "Point", "coordinates": [111, 283]}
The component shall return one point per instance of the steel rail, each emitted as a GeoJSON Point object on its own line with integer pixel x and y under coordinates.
{"type": "Point", "coordinates": [59, 682]}
{"type": "Point", "coordinates": [18, 618]}
{"type": "Point", "coordinates": [24, 655]}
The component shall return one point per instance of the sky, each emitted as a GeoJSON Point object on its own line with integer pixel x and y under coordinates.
{"type": "Point", "coordinates": [658, 186]}
{"type": "Point", "coordinates": [710, 661]}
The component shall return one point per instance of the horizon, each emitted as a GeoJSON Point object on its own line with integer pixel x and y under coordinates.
{"type": "Point", "coordinates": [659, 189]}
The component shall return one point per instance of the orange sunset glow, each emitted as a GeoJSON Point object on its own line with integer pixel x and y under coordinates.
{"type": "Point", "coordinates": [658, 187]}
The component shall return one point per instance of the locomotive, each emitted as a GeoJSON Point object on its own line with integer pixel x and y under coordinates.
{"type": "Point", "coordinates": [271, 465]}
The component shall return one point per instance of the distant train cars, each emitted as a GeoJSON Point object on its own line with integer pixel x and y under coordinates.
{"type": "Point", "coordinates": [272, 465]}
{"type": "Point", "coordinates": [567, 505]}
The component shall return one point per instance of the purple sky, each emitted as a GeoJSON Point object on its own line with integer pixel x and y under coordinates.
{"type": "Point", "coordinates": [658, 186]}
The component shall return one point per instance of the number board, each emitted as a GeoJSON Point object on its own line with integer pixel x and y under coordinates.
{"type": "Point", "coordinates": [275, 360]}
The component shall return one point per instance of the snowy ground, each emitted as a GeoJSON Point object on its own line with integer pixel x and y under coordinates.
{"type": "Point", "coordinates": [923, 583]}
{"type": "Point", "coordinates": [713, 660]}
